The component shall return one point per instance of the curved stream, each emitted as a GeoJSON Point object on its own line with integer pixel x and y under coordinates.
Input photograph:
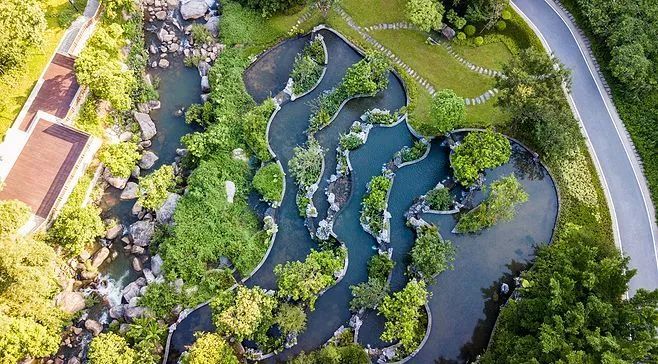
{"type": "Point", "coordinates": [463, 312]}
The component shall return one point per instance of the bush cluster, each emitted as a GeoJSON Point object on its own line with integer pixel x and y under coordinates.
{"type": "Point", "coordinates": [307, 69]}
{"type": "Point", "coordinates": [374, 203]}
{"type": "Point", "coordinates": [268, 181]}
{"type": "Point", "coordinates": [478, 151]}
{"type": "Point", "coordinates": [417, 150]}
{"type": "Point", "coordinates": [439, 199]}
{"type": "Point", "coordinates": [431, 255]}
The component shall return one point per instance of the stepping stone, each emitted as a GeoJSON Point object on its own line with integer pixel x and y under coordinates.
{"type": "Point", "coordinates": [467, 101]}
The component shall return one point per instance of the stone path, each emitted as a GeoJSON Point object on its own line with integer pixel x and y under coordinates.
{"type": "Point", "coordinates": [402, 25]}
{"type": "Point", "coordinates": [78, 29]}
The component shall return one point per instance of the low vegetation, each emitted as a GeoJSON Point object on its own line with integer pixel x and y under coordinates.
{"type": "Point", "coordinates": [268, 181]}
{"type": "Point", "coordinates": [308, 66]}
{"type": "Point", "coordinates": [374, 203]}
{"type": "Point", "coordinates": [155, 187]}
{"type": "Point", "coordinates": [254, 128]}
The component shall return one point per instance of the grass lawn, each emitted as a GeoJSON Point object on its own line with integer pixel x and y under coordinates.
{"type": "Point", "coordinates": [371, 12]}
{"type": "Point", "coordinates": [433, 62]}
{"type": "Point", "coordinates": [492, 56]}
{"type": "Point", "coordinates": [16, 92]}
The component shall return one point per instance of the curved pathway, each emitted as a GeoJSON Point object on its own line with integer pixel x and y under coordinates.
{"type": "Point", "coordinates": [632, 211]}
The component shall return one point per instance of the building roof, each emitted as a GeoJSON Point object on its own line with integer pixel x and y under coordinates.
{"type": "Point", "coordinates": [56, 92]}
{"type": "Point", "coordinates": [44, 165]}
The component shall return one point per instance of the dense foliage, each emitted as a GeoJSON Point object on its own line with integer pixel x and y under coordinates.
{"type": "Point", "coordinates": [573, 309]}
{"type": "Point", "coordinates": [254, 128]}
{"type": "Point", "coordinates": [29, 321]}
{"type": "Point", "coordinates": [270, 7]}
{"type": "Point", "coordinates": [348, 354]}
{"type": "Point", "coordinates": [13, 215]}
{"type": "Point", "coordinates": [306, 164]}
{"type": "Point", "coordinates": [110, 348]}
{"type": "Point", "coordinates": [119, 158]}
{"type": "Point", "coordinates": [291, 319]}
{"type": "Point", "coordinates": [268, 181]}
{"type": "Point", "coordinates": [210, 348]}
{"type": "Point", "coordinates": [415, 152]}
{"type": "Point", "coordinates": [478, 151]}
{"type": "Point", "coordinates": [532, 92]}
{"type": "Point", "coordinates": [439, 199]}
{"type": "Point", "coordinates": [155, 187]}
{"type": "Point", "coordinates": [485, 11]}
{"type": "Point", "coordinates": [448, 110]}
{"type": "Point", "coordinates": [76, 227]}
{"type": "Point", "coordinates": [303, 281]}
{"type": "Point", "coordinates": [243, 312]}
{"type": "Point", "coordinates": [369, 294]}
{"type": "Point", "coordinates": [506, 193]}
{"type": "Point", "coordinates": [430, 254]}
{"type": "Point", "coordinates": [307, 69]}
{"type": "Point", "coordinates": [23, 24]}
{"type": "Point", "coordinates": [426, 14]}
{"type": "Point", "coordinates": [374, 203]}
{"type": "Point", "coordinates": [403, 312]}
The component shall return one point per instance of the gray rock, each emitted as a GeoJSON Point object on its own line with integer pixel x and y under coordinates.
{"type": "Point", "coordinates": [162, 34]}
{"type": "Point", "coordinates": [213, 26]}
{"type": "Point", "coordinates": [132, 313]}
{"type": "Point", "coordinates": [130, 192]}
{"type": "Point", "coordinates": [146, 125]}
{"type": "Point", "coordinates": [193, 9]}
{"type": "Point", "coordinates": [137, 208]}
{"type": "Point", "coordinates": [172, 3]}
{"type": "Point", "coordinates": [130, 291]}
{"type": "Point", "coordinates": [239, 154]}
{"type": "Point", "coordinates": [148, 274]}
{"type": "Point", "coordinates": [153, 49]}
{"type": "Point", "coordinates": [125, 136]}
{"type": "Point", "coordinates": [73, 360]}
{"type": "Point", "coordinates": [136, 172]}
{"type": "Point", "coordinates": [142, 232]}
{"type": "Point", "coordinates": [114, 232]}
{"type": "Point", "coordinates": [163, 63]}
{"type": "Point", "coordinates": [135, 249]}
{"type": "Point", "coordinates": [204, 68]}
{"type": "Point", "coordinates": [230, 190]}
{"type": "Point", "coordinates": [165, 213]}
{"type": "Point", "coordinates": [173, 47]}
{"type": "Point", "coordinates": [99, 257]}
{"type": "Point", "coordinates": [154, 104]}
{"type": "Point", "coordinates": [181, 152]}
{"type": "Point", "coordinates": [70, 302]}
{"type": "Point", "coordinates": [94, 326]}
{"type": "Point", "coordinates": [161, 15]}
{"type": "Point", "coordinates": [148, 160]}
{"type": "Point", "coordinates": [156, 265]}
{"type": "Point", "coordinates": [205, 97]}
{"type": "Point", "coordinates": [205, 84]}
{"type": "Point", "coordinates": [137, 264]}
{"type": "Point", "coordinates": [145, 144]}
{"type": "Point", "coordinates": [117, 312]}
{"type": "Point", "coordinates": [117, 182]}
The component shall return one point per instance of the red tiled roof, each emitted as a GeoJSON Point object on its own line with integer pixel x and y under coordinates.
{"type": "Point", "coordinates": [57, 91]}
{"type": "Point", "coordinates": [44, 165]}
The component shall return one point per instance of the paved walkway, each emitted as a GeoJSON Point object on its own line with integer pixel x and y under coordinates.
{"type": "Point", "coordinates": [77, 32]}
{"type": "Point", "coordinates": [614, 155]}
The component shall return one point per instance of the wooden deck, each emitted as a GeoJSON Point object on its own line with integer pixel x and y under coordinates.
{"type": "Point", "coordinates": [56, 92]}
{"type": "Point", "coordinates": [44, 165]}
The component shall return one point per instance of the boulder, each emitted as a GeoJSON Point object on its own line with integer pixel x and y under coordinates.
{"type": "Point", "coordinates": [99, 257]}
{"type": "Point", "coordinates": [165, 213]}
{"type": "Point", "coordinates": [70, 302]}
{"type": "Point", "coordinates": [117, 182]}
{"type": "Point", "coordinates": [172, 3]}
{"type": "Point", "coordinates": [230, 191]}
{"type": "Point", "coordinates": [137, 264]}
{"type": "Point", "coordinates": [193, 9]}
{"type": "Point", "coordinates": [150, 278]}
{"type": "Point", "coordinates": [161, 15]}
{"type": "Point", "coordinates": [73, 360]}
{"type": "Point", "coordinates": [114, 232]}
{"type": "Point", "coordinates": [213, 26]}
{"type": "Point", "coordinates": [130, 291]}
{"type": "Point", "coordinates": [173, 47]}
{"type": "Point", "coordinates": [162, 33]}
{"type": "Point", "coordinates": [205, 97]}
{"type": "Point", "coordinates": [94, 326]}
{"type": "Point", "coordinates": [130, 192]}
{"type": "Point", "coordinates": [136, 172]}
{"type": "Point", "coordinates": [145, 144]}
{"type": "Point", "coordinates": [205, 84]}
{"type": "Point", "coordinates": [125, 136]}
{"type": "Point", "coordinates": [156, 265]}
{"type": "Point", "coordinates": [137, 208]}
{"type": "Point", "coordinates": [154, 104]}
{"type": "Point", "coordinates": [146, 125]}
{"type": "Point", "coordinates": [117, 312]}
{"type": "Point", "coordinates": [135, 249]}
{"type": "Point", "coordinates": [141, 232]}
{"type": "Point", "coordinates": [163, 63]}
{"type": "Point", "coordinates": [204, 68]}
{"type": "Point", "coordinates": [132, 313]}
{"type": "Point", "coordinates": [148, 160]}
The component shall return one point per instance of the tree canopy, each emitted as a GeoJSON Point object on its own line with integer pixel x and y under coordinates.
{"type": "Point", "coordinates": [110, 348]}
{"type": "Point", "coordinates": [23, 24]}
{"type": "Point", "coordinates": [210, 348]}
{"type": "Point", "coordinates": [478, 151]}
{"type": "Point", "coordinates": [403, 312]}
{"type": "Point", "coordinates": [426, 14]}
{"type": "Point", "coordinates": [243, 312]}
{"type": "Point", "coordinates": [13, 215]}
{"type": "Point", "coordinates": [430, 254]}
{"type": "Point", "coordinates": [155, 187]}
{"type": "Point", "coordinates": [76, 227]}
{"type": "Point", "coordinates": [448, 110]}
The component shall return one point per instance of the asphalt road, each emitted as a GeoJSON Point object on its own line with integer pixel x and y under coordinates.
{"type": "Point", "coordinates": [628, 196]}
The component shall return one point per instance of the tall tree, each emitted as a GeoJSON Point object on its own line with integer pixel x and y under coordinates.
{"type": "Point", "coordinates": [485, 11]}
{"type": "Point", "coordinates": [402, 312]}
{"type": "Point", "coordinates": [210, 348]}
{"type": "Point", "coordinates": [426, 14]}
{"type": "Point", "coordinates": [110, 348]}
{"type": "Point", "coordinates": [448, 110]}
{"type": "Point", "coordinates": [22, 24]}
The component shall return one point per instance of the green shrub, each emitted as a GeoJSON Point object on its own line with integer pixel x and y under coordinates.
{"type": "Point", "coordinates": [416, 151]}
{"type": "Point", "coordinates": [13, 215]}
{"type": "Point", "coordinates": [315, 50]}
{"type": "Point", "coordinates": [426, 14]}
{"type": "Point", "coordinates": [369, 294]}
{"type": "Point", "coordinates": [305, 74]}
{"type": "Point", "coordinates": [403, 315]}
{"type": "Point", "coordinates": [254, 128]}
{"type": "Point", "coordinates": [470, 30]}
{"type": "Point", "coordinates": [506, 15]}
{"type": "Point", "coordinates": [350, 353]}
{"type": "Point", "coordinates": [155, 187]}
{"type": "Point", "coordinates": [110, 348]}
{"type": "Point", "coordinates": [210, 348]}
{"type": "Point", "coordinates": [161, 298]}
{"type": "Point", "coordinates": [146, 336]}
{"type": "Point", "coordinates": [88, 119]}
{"type": "Point", "coordinates": [431, 255]}
{"type": "Point", "coordinates": [306, 163]}
{"type": "Point", "coordinates": [200, 34]}
{"type": "Point", "coordinates": [350, 141]}
{"type": "Point", "coordinates": [374, 203]}
{"type": "Point", "coordinates": [506, 193]}
{"type": "Point", "coordinates": [229, 94]}
{"type": "Point", "coordinates": [448, 110]}
{"type": "Point", "coordinates": [201, 114]}
{"type": "Point", "coordinates": [439, 199]}
{"type": "Point", "coordinates": [76, 227]}
{"type": "Point", "coordinates": [291, 319]}
{"type": "Point", "coordinates": [268, 181]}
{"type": "Point", "coordinates": [478, 151]}
{"type": "Point", "coordinates": [243, 312]}
{"type": "Point", "coordinates": [461, 35]}
{"type": "Point", "coordinates": [501, 25]}
{"type": "Point", "coordinates": [478, 41]}
{"type": "Point", "coordinates": [457, 21]}
{"type": "Point", "coordinates": [380, 267]}
{"type": "Point", "coordinates": [381, 117]}
{"type": "Point", "coordinates": [119, 158]}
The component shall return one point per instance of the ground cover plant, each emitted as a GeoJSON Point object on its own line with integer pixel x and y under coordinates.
{"type": "Point", "coordinates": [504, 195]}
{"type": "Point", "coordinates": [268, 181]}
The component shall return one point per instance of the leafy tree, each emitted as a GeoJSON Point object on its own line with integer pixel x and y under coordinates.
{"type": "Point", "coordinates": [426, 14]}
{"type": "Point", "coordinates": [76, 227]}
{"type": "Point", "coordinates": [270, 7]}
{"type": "Point", "coordinates": [291, 318]}
{"type": "Point", "coordinates": [110, 348]}
{"type": "Point", "coordinates": [210, 348]}
{"type": "Point", "coordinates": [369, 295]}
{"type": "Point", "coordinates": [573, 309]}
{"type": "Point", "coordinates": [23, 24]}
{"type": "Point", "coordinates": [448, 110]}
{"type": "Point", "coordinates": [202, 114]}
{"type": "Point", "coordinates": [333, 354]}
{"type": "Point", "coordinates": [380, 267]}
{"type": "Point", "coordinates": [478, 151]}
{"type": "Point", "coordinates": [254, 127]}
{"type": "Point", "coordinates": [306, 164]}
{"type": "Point", "coordinates": [631, 66]}
{"type": "Point", "coordinates": [113, 8]}
{"type": "Point", "coordinates": [30, 323]}
{"type": "Point", "coordinates": [506, 193]}
{"type": "Point", "coordinates": [268, 181]}
{"type": "Point", "coordinates": [120, 158]}
{"type": "Point", "coordinates": [215, 139]}
{"type": "Point", "coordinates": [155, 187]}
{"type": "Point", "coordinates": [457, 21]}
{"type": "Point", "coordinates": [430, 254]}
{"type": "Point", "coordinates": [13, 215]}
{"type": "Point", "coordinates": [374, 203]}
{"type": "Point", "coordinates": [485, 11]}
{"type": "Point", "coordinates": [244, 312]}
{"type": "Point", "coordinates": [439, 199]}
{"type": "Point", "coordinates": [305, 280]}
{"type": "Point", "coordinates": [403, 312]}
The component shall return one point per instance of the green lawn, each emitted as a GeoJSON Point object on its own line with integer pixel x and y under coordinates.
{"type": "Point", "coordinates": [492, 56]}
{"type": "Point", "coordinates": [433, 62]}
{"type": "Point", "coordinates": [371, 12]}
{"type": "Point", "coordinates": [16, 92]}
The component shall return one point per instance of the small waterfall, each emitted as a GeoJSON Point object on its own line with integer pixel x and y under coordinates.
{"type": "Point", "coordinates": [110, 288]}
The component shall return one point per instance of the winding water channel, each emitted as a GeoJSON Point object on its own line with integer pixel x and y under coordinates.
{"type": "Point", "coordinates": [463, 303]}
